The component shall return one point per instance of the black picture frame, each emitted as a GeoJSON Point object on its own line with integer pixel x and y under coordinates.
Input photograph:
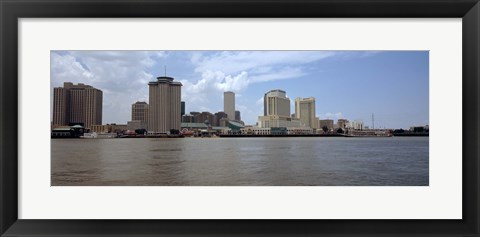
{"type": "Point", "coordinates": [11, 11]}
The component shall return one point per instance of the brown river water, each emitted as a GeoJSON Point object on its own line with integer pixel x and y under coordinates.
{"type": "Point", "coordinates": [286, 161]}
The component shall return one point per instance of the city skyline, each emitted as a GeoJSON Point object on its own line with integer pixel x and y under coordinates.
{"type": "Point", "coordinates": [345, 84]}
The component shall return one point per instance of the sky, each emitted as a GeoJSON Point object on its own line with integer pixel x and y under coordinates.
{"type": "Point", "coordinates": [392, 85]}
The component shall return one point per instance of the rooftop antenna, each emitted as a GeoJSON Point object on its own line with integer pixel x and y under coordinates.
{"type": "Point", "coordinates": [165, 70]}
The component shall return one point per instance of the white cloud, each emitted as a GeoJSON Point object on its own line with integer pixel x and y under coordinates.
{"type": "Point", "coordinates": [236, 61]}
{"type": "Point", "coordinates": [259, 101]}
{"type": "Point", "coordinates": [209, 89]}
{"type": "Point", "coordinates": [234, 83]}
{"type": "Point", "coordinates": [121, 75]}
{"type": "Point", "coordinates": [237, 70]}
{"type": "Point", "coordinates": [330, 115]}
{"type": "Point", "coordinates": [249, 114]}
{"type": "Point", "coordinates": [67, 67]}
{"type": "Point", "coordinates": [280, 74]}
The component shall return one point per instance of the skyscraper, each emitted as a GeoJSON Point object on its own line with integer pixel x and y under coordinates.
{"type": "Point", "coordinates": [229, 104]}
{"type": "Point", "coordinates": [182, 108]}
{"type": "Point", "coordinates": [305, 111]}
{"type": "Point", "coordinates": [276, 102]}
{"type": "Point", "coordinates": [140, 111]}
{"type": "Point", "coordinates": [276, 106]}
{"type": "Point", "coordinates": [237, 116]}
{"type": "Point", "coordinates": [165, 105]}
{"type": "Point", "coordinates": [77, 104]}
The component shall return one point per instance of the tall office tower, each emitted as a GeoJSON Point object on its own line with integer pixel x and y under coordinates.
{"type": "Point", "coordinates": [305, 111]}
{"type": "Point", "coordinates": [140, 111]}
{"type": "Point", "coordinates": [276, 102]}
{"type": "Point", "coordinates": [164, 105]}
{"type": "Point", "coordinates": [182, 108]}
{"type": "Point", "coordinates": [276, 106]}
{"type": "Point", "coordinates": [237, 116]}
{"type": "Point", "coordinates": [77, 104]}
{"type": "Point", "coordinates": [229, 104]}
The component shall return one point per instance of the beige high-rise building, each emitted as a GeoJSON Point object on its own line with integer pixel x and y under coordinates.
{"type": "Point", "coordinates": [140, 111]}
{"type": "Point", "coordinates": [276, 112]}
{"type": "Point", "coordinates": [305, 111]}
{"type": "Point", "coordinates": [77, 104]}
{"type": "Point", "coordinates": [164, 105]}
{"type": "Point", "coordinates": [229, 104]}
{"type": "Point", "coordinates": [276, 102]}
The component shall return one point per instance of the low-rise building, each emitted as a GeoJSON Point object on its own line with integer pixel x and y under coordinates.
{"type": "Point", "coordinates": [342, 123]}
{"type": "Point", "coordinates": [326, 123]}
{"type": "Point", "coordinates": [270, 121]}
{"type": "Point", "coordinates": [109, 128]}
{"type": "Point", "coordinates": [136, 124]}
{"type": "Point", "coordinates": [188, 118]}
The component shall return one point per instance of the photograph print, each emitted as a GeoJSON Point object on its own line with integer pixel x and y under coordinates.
{"type": "Point", "coordinates": [239, 118]}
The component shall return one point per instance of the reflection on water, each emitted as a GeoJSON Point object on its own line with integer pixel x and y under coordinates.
{"type": "Point", "coordinates": [241, 161]}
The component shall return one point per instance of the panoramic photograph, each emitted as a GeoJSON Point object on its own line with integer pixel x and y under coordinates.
{"type": "Point", "coordinates": [239, 118]}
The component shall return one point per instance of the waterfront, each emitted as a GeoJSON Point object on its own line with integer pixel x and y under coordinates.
{"type": "Point", "coordinates": [299, 161]}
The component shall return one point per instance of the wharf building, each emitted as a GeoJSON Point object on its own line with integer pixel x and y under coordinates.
{"type": "Point", "coordinates": [77, 104]}
{"type": "Point", "coordinates": [252, 130]}
{"type": "Point", "coordinates": [136, 124]}
{"type": "Point", "coordinates": [229, 104]}
{"type": "Point", "coordinates": [355, 125]}
{"type": "Point", "coordinates": [164, 105]}
{"type": "Point", "coordinates": [305, 111]}
{"type": "Point", "coordinates": [326, 123]}
{"type": "Point", "coordinates": [342, 123]}
{"type": "Point", "coordinates": [110, 128]}
{"type": "Point", "coordinates": [276, 111]}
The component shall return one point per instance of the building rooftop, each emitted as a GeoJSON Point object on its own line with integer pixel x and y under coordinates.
{"type": "Point", "coordinates": [165, 79]}
{"type": "Point", "coordinates": [276, 90]}
{"type": "Point", "coordinates": [236, 124]}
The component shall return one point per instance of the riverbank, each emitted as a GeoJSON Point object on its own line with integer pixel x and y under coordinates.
{"type": "Point", "coordinates": [281, 135]}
